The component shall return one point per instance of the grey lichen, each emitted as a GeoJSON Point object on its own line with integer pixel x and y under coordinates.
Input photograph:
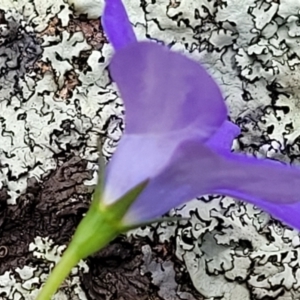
{"type": "Point", "coordinates": [51, 107]}
{"type": "Point", "coordinates": [251, 49]}
{"type": "Point", "coordinates": [25, 283]}
{"type": "Point", "coordinates": [37, 122]}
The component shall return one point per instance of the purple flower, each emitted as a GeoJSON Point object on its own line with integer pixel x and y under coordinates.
{"type": "Point", "coordinates": [177, 135]}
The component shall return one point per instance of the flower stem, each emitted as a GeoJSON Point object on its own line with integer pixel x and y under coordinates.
{"type": "Point", "coordinates": [60, 272]}
{"type": "Point", "coordinates": [100, 226]}
{"type": "Point", "coordinates": [93, 233]}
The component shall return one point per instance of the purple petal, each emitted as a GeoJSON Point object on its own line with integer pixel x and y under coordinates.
{"type": "Point", "coordinates": [116, 24]}
{"type": "Point", "coordinates": [188, 175]}
{"type": "Point", "coordinates": [168, 99]}
{"type": "Point", "coordinates": [164, 91]}
{"type": "Point", "coordinates": [267, 184]}
{"type": "Point", "coordinates": [257, 180]}
{"type": "Point", "coordinates": [224, 136]}
{"type": "Point", "coordinates": [139, 157]}
{"type": "Point", "coordinates": [136, 159]}
{"type": "Point", "coordinates": [287, 213]}
{"type": "Point", "coordinates": [196, 170]}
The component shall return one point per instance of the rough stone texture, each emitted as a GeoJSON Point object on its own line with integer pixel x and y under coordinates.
{"type": "Point", "coordinates": [57, 99]}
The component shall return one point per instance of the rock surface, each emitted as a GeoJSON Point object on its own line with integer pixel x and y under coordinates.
{"type": "Point", "coordinates": [57, 99]}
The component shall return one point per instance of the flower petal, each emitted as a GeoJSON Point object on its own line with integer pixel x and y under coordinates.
{"type": "Point", "coordinates": [168, 99]}
{"type": "Point", "coordinates": [197, 170]}
{"type": "Point", "coordinates": [257, 180]}
{"type": "Point", "coordinates": [190, 173]}
{"type": "Point", "coordinates": [116, 24]}
{"type": "Point", "coordinates": [224, 136]}
{"type": "Point", "coordinates": [165, 91]}
{"type": "Point", "coordinates": [137, 158]}
{"type": "Point", "coordinates": [288, 213]}
{"type": "Point", "coordinates": [268, 184]}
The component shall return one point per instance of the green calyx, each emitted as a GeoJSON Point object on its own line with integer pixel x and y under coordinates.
{"type": "Point", "coordinates": [103, 223]}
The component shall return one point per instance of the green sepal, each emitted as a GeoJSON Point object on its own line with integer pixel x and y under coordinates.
{"type": "Point", "coordinates": [102, 223]}
{"type": "Point", "coordinates": [116, 211]}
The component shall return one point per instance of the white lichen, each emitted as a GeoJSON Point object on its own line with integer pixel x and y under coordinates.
{"type": "Point", "coordinates": [37, 123]}
{"type": "Point", "coordinates": [25, 283]}
{"type": "Point", "coordinates": [231, 250]}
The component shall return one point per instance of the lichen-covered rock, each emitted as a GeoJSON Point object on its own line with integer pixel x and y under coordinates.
{"type": "Point", "coordinates": [57, 100]}
{"type": "Point", "coordinates": [22, 283]}
{"type": "Point", "coordinates": [251, 49]}
{"type": "Point", "coordinates": [48, 106]}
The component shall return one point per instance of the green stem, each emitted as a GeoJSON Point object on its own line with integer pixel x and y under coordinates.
{"type": "Point", "coordinates": [58, 275]}
{"type": "Point", "coordinates": [93, 233]}
{"type": "Point", "coordinates": [100, 226]}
